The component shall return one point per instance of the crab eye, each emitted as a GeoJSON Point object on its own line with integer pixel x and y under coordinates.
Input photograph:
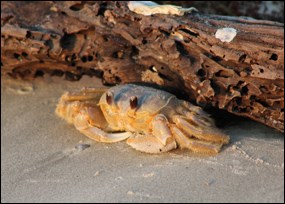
{"type": "Point", "coordinates": [109, 97]}
{"type": "Point", "coordinates": [133, 102]}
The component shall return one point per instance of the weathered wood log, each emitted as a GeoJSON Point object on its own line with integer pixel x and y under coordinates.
{"type": "Point", "coordinates": [243, 75]}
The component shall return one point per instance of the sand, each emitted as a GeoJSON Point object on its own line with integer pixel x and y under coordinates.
{"type": "Point", "coordinates": [44, 159]}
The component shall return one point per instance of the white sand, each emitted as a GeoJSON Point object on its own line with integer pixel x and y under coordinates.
{"type": "Point", "coordinates": [39, 161]}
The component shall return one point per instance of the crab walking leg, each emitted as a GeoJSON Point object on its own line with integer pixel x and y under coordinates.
{"type": "Point", "coordinates": [83, 95]}
{"type": "Point", "coordinates": [200, 131]}
{"type": "Point", "coordinates": [150, 144]}
{"type": "Point", "coordinates": [196, 109]}
{"type": "Point", "coordinates": [160, 129]}
{"type": "Point", "coordinates": [197, 118]}
{"type": "Point", "coordinates": [195, 113]}
{"type": "Point", "coordinates": [81, 122]}
{"type": "Point", "coordinates": [94, 90]}
{"type": "Point", "coordinates": [194, 145]}
{"type": "Point", "coordinates": [160, 139]}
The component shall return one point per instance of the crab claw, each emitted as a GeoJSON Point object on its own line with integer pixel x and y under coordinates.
{"type": "Point", "coordinates": [159, 141]}
{"type": "Point", "coordinates": [193, 144]}
{"type": "Point", "coordinates": [150, 144]}
{"type": "Point", "coordinates": [87, 117]}
{"type": "Point", "coordinates": [83, 124]}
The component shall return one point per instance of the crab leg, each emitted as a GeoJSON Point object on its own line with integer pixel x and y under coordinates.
{"type": "Point", "coordinates": [82, 124]}
{"type": "Point", "coordinates": [194, 145]}
{"type": "Point", "coordinates": [195, 113]}
{"type": "Point", "coordinates": [150, 144]}
{"type": "Point", "coordinates": [160, 129]}
{"type": "Point", "coordinates": [81, 109]}
{"type": "Point", "coordinates": [70, 104]}
{"type": "Point", "coordinates": [84, 95]}
{"type": "Point", "coordinates": [197, 129]}
{"type": "Point", "coordinates": [203, 127]}
{"type": "Point", "coordinates": [160, 140]}
{"type": "Point", "coordinates": [195, 109]}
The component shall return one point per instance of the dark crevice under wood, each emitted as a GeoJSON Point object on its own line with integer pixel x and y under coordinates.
{"type": "Point", "coordinates": [107, 40]}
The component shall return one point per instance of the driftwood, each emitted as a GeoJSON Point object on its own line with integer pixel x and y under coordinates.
{"type": "Point", "coordinates": [244, 76]}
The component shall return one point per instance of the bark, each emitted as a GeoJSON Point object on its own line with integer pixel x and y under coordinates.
{"type": "Point", "coordinates": [105, 39]}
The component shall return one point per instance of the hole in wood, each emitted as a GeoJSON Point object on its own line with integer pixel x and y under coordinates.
{"type": "Point", "coordinates": [216, 58]}
{"type": "Point", "coordinates": [263, 89]}
{"type": "Point", "coordinates": [248, 70]}
{"type": "Point", "coordinates": [84, 59]}
{"type": "Point", "coordinates": [147, 30]}
{"type": "Point", "coordinates": [168, 78]}
{"type": "Point", "coordinates": [238, 100]}
{"type": "Point", "coordinates": [189, 32]}
{"type": "Point", "coordinates": [252, 97]}
{"type": "Point", "coordinates": [103, 8]}
{"type": "Point", "coordinates": [76, 7]}
{"type": "Point", "coordinates": [181, 49]}
{"type": "Point", "coordinates": [262, 103]}
{"type": "Point", "coordinates": [201, 73]}
{"type": "Point", "coordinates": [49, 43]}
{"type": "Point", "coordinates": [118, 79]}
{"type": "Point", "coordinates": [90, 58]}
{"type": "Point", "coordinates": [39, 73]}
{"type": "Point", "coordinates": [29, 34]}
{"type": "Point", "coordinates": [94, 72]}
{"type": "Point", "coordinates": [216, 88]}
{"type": "Point", "coordinates": [53, 36]}
{"type": "Point", "coordinates": [72, 77]}
{"type": "Point", "coordinates": [244, 91]}
{"type": "Point", "coordinates": [68, 41]}
{"type": "Point", "coordinates": [239, 84]}
{"type": "Point", "coordinates": [242, 58]}
{"type": "Point", "coordinates": [274, 57]}
{"type": "Point", "coordinates": [118, 54]}
{"type": "Point", "coordinates": [57, 72]}
{"type": "Point", "coordinates": [24, 54]}
{"type": "Point", "coordinates": [235, 109]}
{"type": "Point", "coordinates": [73, 57]}
{"type": "Point", "coordinates": [68, 58]}
{"type": "Point", "coordinates": [17, 56]}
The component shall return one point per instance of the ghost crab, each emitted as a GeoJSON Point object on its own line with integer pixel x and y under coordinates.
{"type": "Point", "coordinates": [151, 120]}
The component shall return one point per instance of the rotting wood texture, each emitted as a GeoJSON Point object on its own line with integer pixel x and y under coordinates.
{"type": "Point", "coordinates": [244, 76]}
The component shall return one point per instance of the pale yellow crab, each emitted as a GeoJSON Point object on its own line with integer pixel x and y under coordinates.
{"type": "Point", "coordinates": [151, 120]}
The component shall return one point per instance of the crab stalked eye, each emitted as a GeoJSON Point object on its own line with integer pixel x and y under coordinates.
{"type": "Point", "coordinates": [109, 98]}
{"type": "Point", "coordinates": [133, 102]}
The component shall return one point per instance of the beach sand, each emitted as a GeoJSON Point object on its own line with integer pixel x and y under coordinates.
{"type": "Point", "coordinates": [44, 159]}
